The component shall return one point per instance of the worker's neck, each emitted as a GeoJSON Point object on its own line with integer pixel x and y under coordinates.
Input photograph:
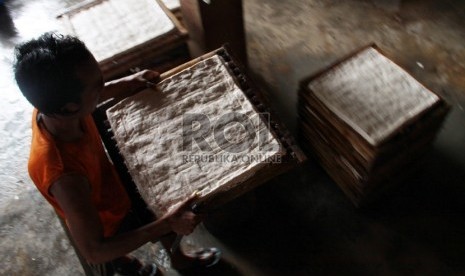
{"type": "Point", "coordinates": [66, 129]}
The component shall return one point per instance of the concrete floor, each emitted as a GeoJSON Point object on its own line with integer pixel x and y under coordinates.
{"type": "Point", "coordinates": [301, 223]}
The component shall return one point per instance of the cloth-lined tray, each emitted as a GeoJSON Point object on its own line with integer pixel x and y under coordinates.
{"type": "Point", "coordinates": [121, 33]}
{"type": "Point", "coordinates": [150, 136]}
{"type": "Point", "coordinates": [365, 118]}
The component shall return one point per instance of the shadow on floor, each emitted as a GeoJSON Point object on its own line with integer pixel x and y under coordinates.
{"type": "Point", "coordinates": [302, 224]}
{"type": "Point", "coordinates": [7, 28]}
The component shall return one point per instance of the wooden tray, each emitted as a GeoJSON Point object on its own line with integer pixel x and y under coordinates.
{"type": "Point", "coordinates": [292, 157]}
{"type": "Point", "coordinates": [125, 53]}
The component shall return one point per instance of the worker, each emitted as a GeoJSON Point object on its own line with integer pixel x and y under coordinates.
{"type": "Point", "coordinates": [60, 77]}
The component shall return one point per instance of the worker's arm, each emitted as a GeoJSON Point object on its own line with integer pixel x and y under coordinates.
{"type": "Point", "coordinates": [129, 85]}
{"type": "Point", "coordinates": [73, 194]}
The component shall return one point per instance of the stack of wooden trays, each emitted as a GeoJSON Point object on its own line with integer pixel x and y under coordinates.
{"type": "Point", "coordinates": [365, 119]}
{"type": "Point", "coordinates": [125, 35]}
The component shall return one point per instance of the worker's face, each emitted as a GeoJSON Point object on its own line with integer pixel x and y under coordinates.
{"type": "Point", "coordinates": [91, 77]}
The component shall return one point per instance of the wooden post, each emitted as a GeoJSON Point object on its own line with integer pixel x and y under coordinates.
{"type": "Point", "coordinates": [212, 23]}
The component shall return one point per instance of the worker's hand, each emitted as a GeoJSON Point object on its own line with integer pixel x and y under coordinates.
{"type": "Point", "coordinates": [129, 85]}
{"type": "Point", "coordinates": [183, 220]}
{"type": "Point", "coordinates": [144, 79]}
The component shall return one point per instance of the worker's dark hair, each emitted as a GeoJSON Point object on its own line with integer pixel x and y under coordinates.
{"type": "Point", "coordinates": [45, 71]}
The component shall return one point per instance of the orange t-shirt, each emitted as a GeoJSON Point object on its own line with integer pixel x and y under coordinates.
{"type": "Point", "coordinates": [50, 159]}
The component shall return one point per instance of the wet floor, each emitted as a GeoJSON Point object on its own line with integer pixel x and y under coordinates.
{"type": "Point", "coordinates": [20, 20]}
{"type": "Point", "coordinates": [299, 223]}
